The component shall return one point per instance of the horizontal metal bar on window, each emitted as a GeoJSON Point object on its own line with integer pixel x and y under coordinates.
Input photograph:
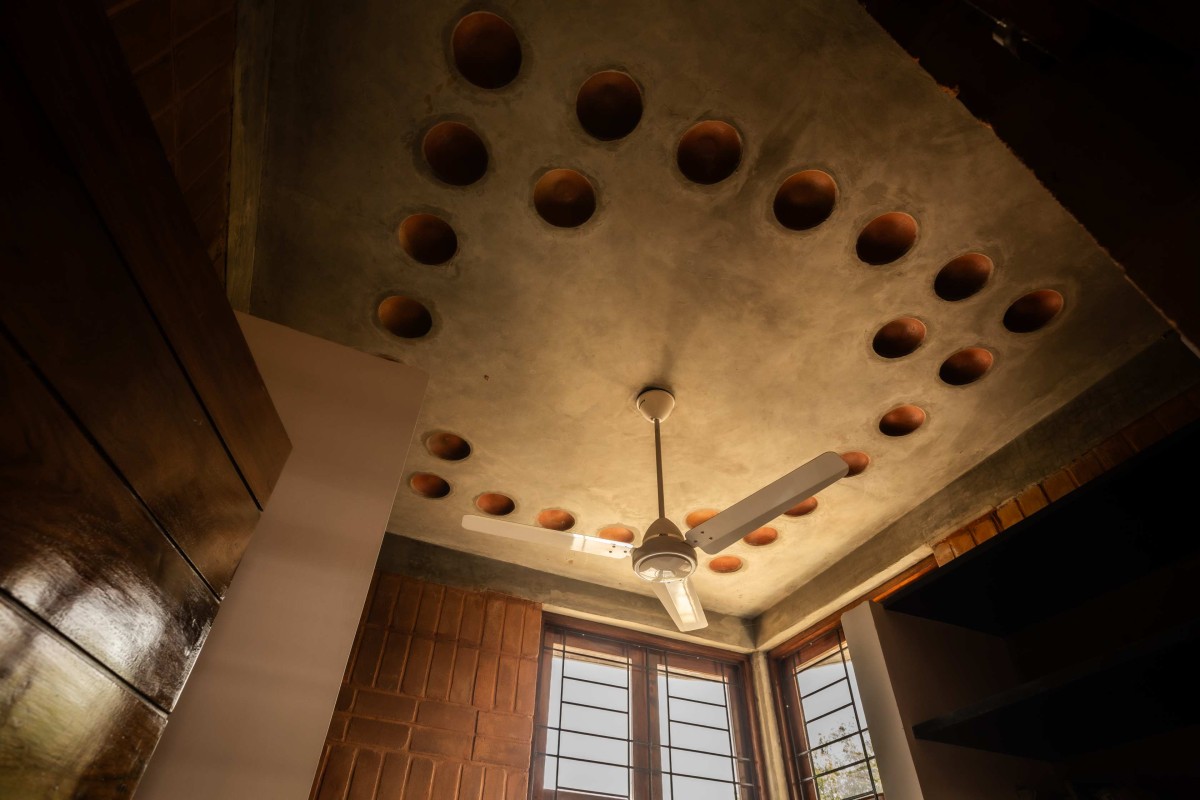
{"type": "Point", "coordinates": [856, 732]}
{"type": "Point", "coordinates": [596, 683]}
{"type": "Point", "coordinates": [863, 796]}
{"type": "Point", "coordinates": [648, 770]}
{"type": "Point", "coordinates": [701, 702]}
{"type": "Point", "coordinates": [699, 725]}
{"type": "Point", "coordinates": [588, 792]}
{"type": "Point", "coordinates": [596, 708]}
{"type": "Point", "coordinates": [842, 767]}
{"type": "Point", "coordinates": [804, 695]}
{"type": "Point", "coordinates": [811, 720]}
{"type": "Point", "coordinates": [638, 743]}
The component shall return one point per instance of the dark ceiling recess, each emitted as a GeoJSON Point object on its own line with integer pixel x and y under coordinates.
{"type": "Point", "coordinates": [963, 277]}
{"type": "Point", "coordinates": [1033, 311]}
{"type": "Point", "coordinates": [564, 198]}
{"type": "Point", "coordinates": [495, 503]}
{"type": "Point", "coordinates": [486, 50]}
{"type": "Point", "coordinates": [455, 153]}
{"type": "Point", "coordinates": [902, 420]}
{"type": "Point", "coordinates": [966, 366]}
{"type": "Point", "coordinates": [1088, 95]}
{"type": "Point", "coordinates": [609, 105]}
{"type": "Point", "coordinates": [899, 337]}
{"type": "Point", "coordinates": [556, 519]}
{"type": "Point", "coordinates": [405, 317]}
{"type": "Point", "coordinates": [429, 485]}
{"type": "Point", "coordinates": [448, 446]}
{"type": "Point", "coordinates": [887, 238]}
{"type": "Point", "coordinates": [709, 152]}
{"type": "Point", "coordinates": [428, 239]}
{"type": "Point", "coordinates": [616, 533]}
{"type": "Point", "coordinates": [805, 200]}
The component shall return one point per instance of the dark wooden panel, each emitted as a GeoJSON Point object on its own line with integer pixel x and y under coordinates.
{"type": "Point", "coordinates": [69, 56]}
{"type": "Point", "coordinates": [76, 312]}
{"type": "Point", "coordinates": [69, 730]}
{"type": "Point", "coordinates": [78, 550]}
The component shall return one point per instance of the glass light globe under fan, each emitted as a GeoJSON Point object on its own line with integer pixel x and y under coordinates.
{"type": "Point", "coordinates": [666, 558]}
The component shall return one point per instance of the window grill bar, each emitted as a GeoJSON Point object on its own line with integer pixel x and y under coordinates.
{"type": "Point", "coordinates": [857, 721]}
{"type": "Point", "coordinates": [595, 708]}
{"type": "Point", "coordinates": [641, 743]}
{"type": "Point", "coordinates": [595, 683]}
{"type": "Point", "coordinates": [841, 767]}
{"type": "Point", "coordinates": [823, 715]}
{"type": "Point", "coordinates": [733, 782]}
{"type": "Point", "coordinates": [701, 702]}
{"type": "Point", "coordinates": [817, 691]}
{"type": "Point", "coordinates": [849, 735]}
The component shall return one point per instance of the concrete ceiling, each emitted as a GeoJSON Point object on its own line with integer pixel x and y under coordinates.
{"type": "Point", "coordinates": [542, 336]}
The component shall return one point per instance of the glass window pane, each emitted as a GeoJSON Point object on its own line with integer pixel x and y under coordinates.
{"type": "Point", "coordinates": [695, 789]}
{"type": "Point", "coordinates": [823, 673]}
{"type": "Point", "coordinates": [844, 784]}
{"type": "Point", "coordinates": [830, 727]}
{"type": "Point", "coordinates": [837, 755]}
{"type": "Point", "coordinates": [697, 738]}
{"type": "Point", "coordinates": [594, 748]}
{"type": "Point", "coordinates": [700, 765]}
{"type": "Point", "coordinates": [705, 691]}
{"type": "Point", "coordinates": [575, 691]}
{"type": "Point", "coordinates": [698, 713]}
{"type": "Point", "coordinates": [599, 672]}
{"type": "Point", "coordinates": [582, 776]}
{"type": "Point", "coordinates": [826, 700]}
{"type": "Point", "coordinates": [593, 720]}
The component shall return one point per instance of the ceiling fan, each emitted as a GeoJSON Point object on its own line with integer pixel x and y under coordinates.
{"type": "Point", "coordinates": [666, 557]}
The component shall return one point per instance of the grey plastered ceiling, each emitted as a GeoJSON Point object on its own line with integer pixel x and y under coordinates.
{"type": "Point", "coordinates": [542, 336]}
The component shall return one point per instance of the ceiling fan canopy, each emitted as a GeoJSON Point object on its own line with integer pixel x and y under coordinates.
{"type": "Point", "coordinates": [666, 557]}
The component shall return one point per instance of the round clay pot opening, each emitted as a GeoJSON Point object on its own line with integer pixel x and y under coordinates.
{"type": "Point", "coordinates": [963, 277]}
{"type": "Point", "coordinates": [486, 50]}
{"type": "Point", "coordinates": [455, 153]}
{"type": "Point", "coordinates": [429, 485]}
{"type": "Point", "coordinates": [899, 337]}
{"type": "Point", "coordinates": [803, 508]}
{"type": "Point", "coordinates": [609, 105]}
{"type": "Point", "coordinates": [405, 317]}
{"type": "Point", "coordinates": [858, 462]}
{"type": "Point", "coordinates": [448, 446]}
{"type": "Point", "coordinates": [495, 503]}
{"type": "Point", "coordinates": [966, 366]}
{"type": "Point", "coordinates": [725, 565]}
{"type": "Point", "coordinates": [556, 519]}
{"type": "Point", "coordinates": [901, 420]}
{"type": "Point", "coordinates": [564, 198]}
{"type": "Point", "coordinates": [709, 152]}
{"type": "Point", "coordinates": [761, 536]}
{"type": "Point", "coordinates": [805, 200]}
{"type": "Point", "coordinates": [699, 517]}
{"type": "Point", "coordinates": [886, 238]}
{"type": "Point", "coordinates": [616, 533]}
{"type": "Point", "coordinates": [427, 239]}
{"type": "Point", "coordinates": [1033, 311]}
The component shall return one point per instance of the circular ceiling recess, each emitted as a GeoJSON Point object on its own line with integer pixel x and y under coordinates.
{"type": "Point", "coordinates": [609, 105]}
{"type": "Point", "coordinates": [761, 536]}
{"type": "Point", "coordinates": [899, 337]}
{"type": "Point", "coordinates": [427, 239]}
{"type": "Point", "coordinates": [966, 366]}
{"type": "Point", "coordinates": [455, 153]}
{"type": "Point", "coordinates": [709, 152]}
{"type": "Point", "coordinates": [699, 517]}
{"type": "Point", "coordinates": [495, 503]}
{"type": "Point", "coordinates": [725, 565]}
{"type": "Point", "coordinates": [886, 238]}
{"type": "Point", "coordinates": [429, 485]}
{"type": "Point", "coordinates": [805, 200]}
{"type": "Point", "coordinates": [616, 533]}
{"type": "Point", "coordinates": [564, 198]}
{"type": "Point", "coordinates": [902, 420]}
{"type": "Point", "coordinates": [963, 277]}
{"type": "Point", "coordinates": [858, 462]}
{"type": "Point", "coordinates": [486, 50]}
{"type": "Point", "coordinates": [1033, 311]}
{"type": "Point", "coordinates": [448, 446]}
{"type": "Point", "coordinates": [405, 317]}
{"type": "Point", "coordinates": [556, 519]}
{"type": "Point", "coordinates": [803, 508]}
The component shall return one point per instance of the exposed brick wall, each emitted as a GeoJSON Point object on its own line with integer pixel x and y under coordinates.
{"type": "Point", "coordinates": [181, 55]}
{"type": "Point", "coordinates": [438, 697]}
{"type": "Point", "coordinates": [1166, 419]}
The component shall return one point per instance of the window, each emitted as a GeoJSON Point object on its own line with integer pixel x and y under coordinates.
{"type": "Point", "coordinates": [833, 758]}
{"type": "Point", "coordinates": [626, 715]}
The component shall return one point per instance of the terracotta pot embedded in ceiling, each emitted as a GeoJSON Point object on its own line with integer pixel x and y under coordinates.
{"type": "Point", "coordinates": [902, 420]}
{"type": "Point", "coordinates": [805, 200]}
{"type": "Point", "coordinates": [963, 277]}
{"type": "Point", "coordinates": [609, 105]}
{"type": "Point", "coordinates": [455, 153]}
{"type": "Point", "coordinates": [616, 533]}
{"type": "Point", "coordinates": [564, 198]}
{"type": "Point", "coordinates": [404, 317]}
{"type": "Point", "coordinates": [495, 503]}
{"type": "Point", "coordinates": [699, 517]}
{"type": "Point", "coordinates": [1033, 311]}
{"type": "Point", "coordinates": [858, 462]}
{"type": "Point", "coordinates": [709, 152]}
{"type": "Point", "coordinates": [966, 366]}
{"type": "Point", "coordinates": [899, 337]}
{"type": "Point", "coordinates": [725, 565]}
{"type": "Point", "coordinates": [429, 485]}
{"type": "Point", "coordinates": [556, 519]}
{"type": "Point", "coordinates": [803, 508]}
{"type": "Point", "coordinates": [761, 536]}
{"type": "Point", "coordinates": [886, 238]}
{"type": "Point", "coordinates": [427, 239]}
{"type": "Point", "coordinates": [486, 50]}
{"type": "Point", "coordinates": [448, 446]}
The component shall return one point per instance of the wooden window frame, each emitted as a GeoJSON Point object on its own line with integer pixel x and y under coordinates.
{"type": "Point", "coordinates": [742, 710]}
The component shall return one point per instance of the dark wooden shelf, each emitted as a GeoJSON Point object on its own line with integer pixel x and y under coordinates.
{"type": "Point", "coordinates": [1130, 522]}
{"type": "Point", "coordinates": [1148, 688]}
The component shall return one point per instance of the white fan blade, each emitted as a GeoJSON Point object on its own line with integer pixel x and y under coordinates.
{"type": "Point", "coordinates": [681, 602]}
{"type": "Point", "coordinates": [767, 503]}
{"type": "Point", "coordinates": [544, 536]}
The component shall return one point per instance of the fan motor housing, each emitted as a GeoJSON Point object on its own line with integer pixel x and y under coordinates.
{"type": "Point", "coordinates": [664, 555]}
